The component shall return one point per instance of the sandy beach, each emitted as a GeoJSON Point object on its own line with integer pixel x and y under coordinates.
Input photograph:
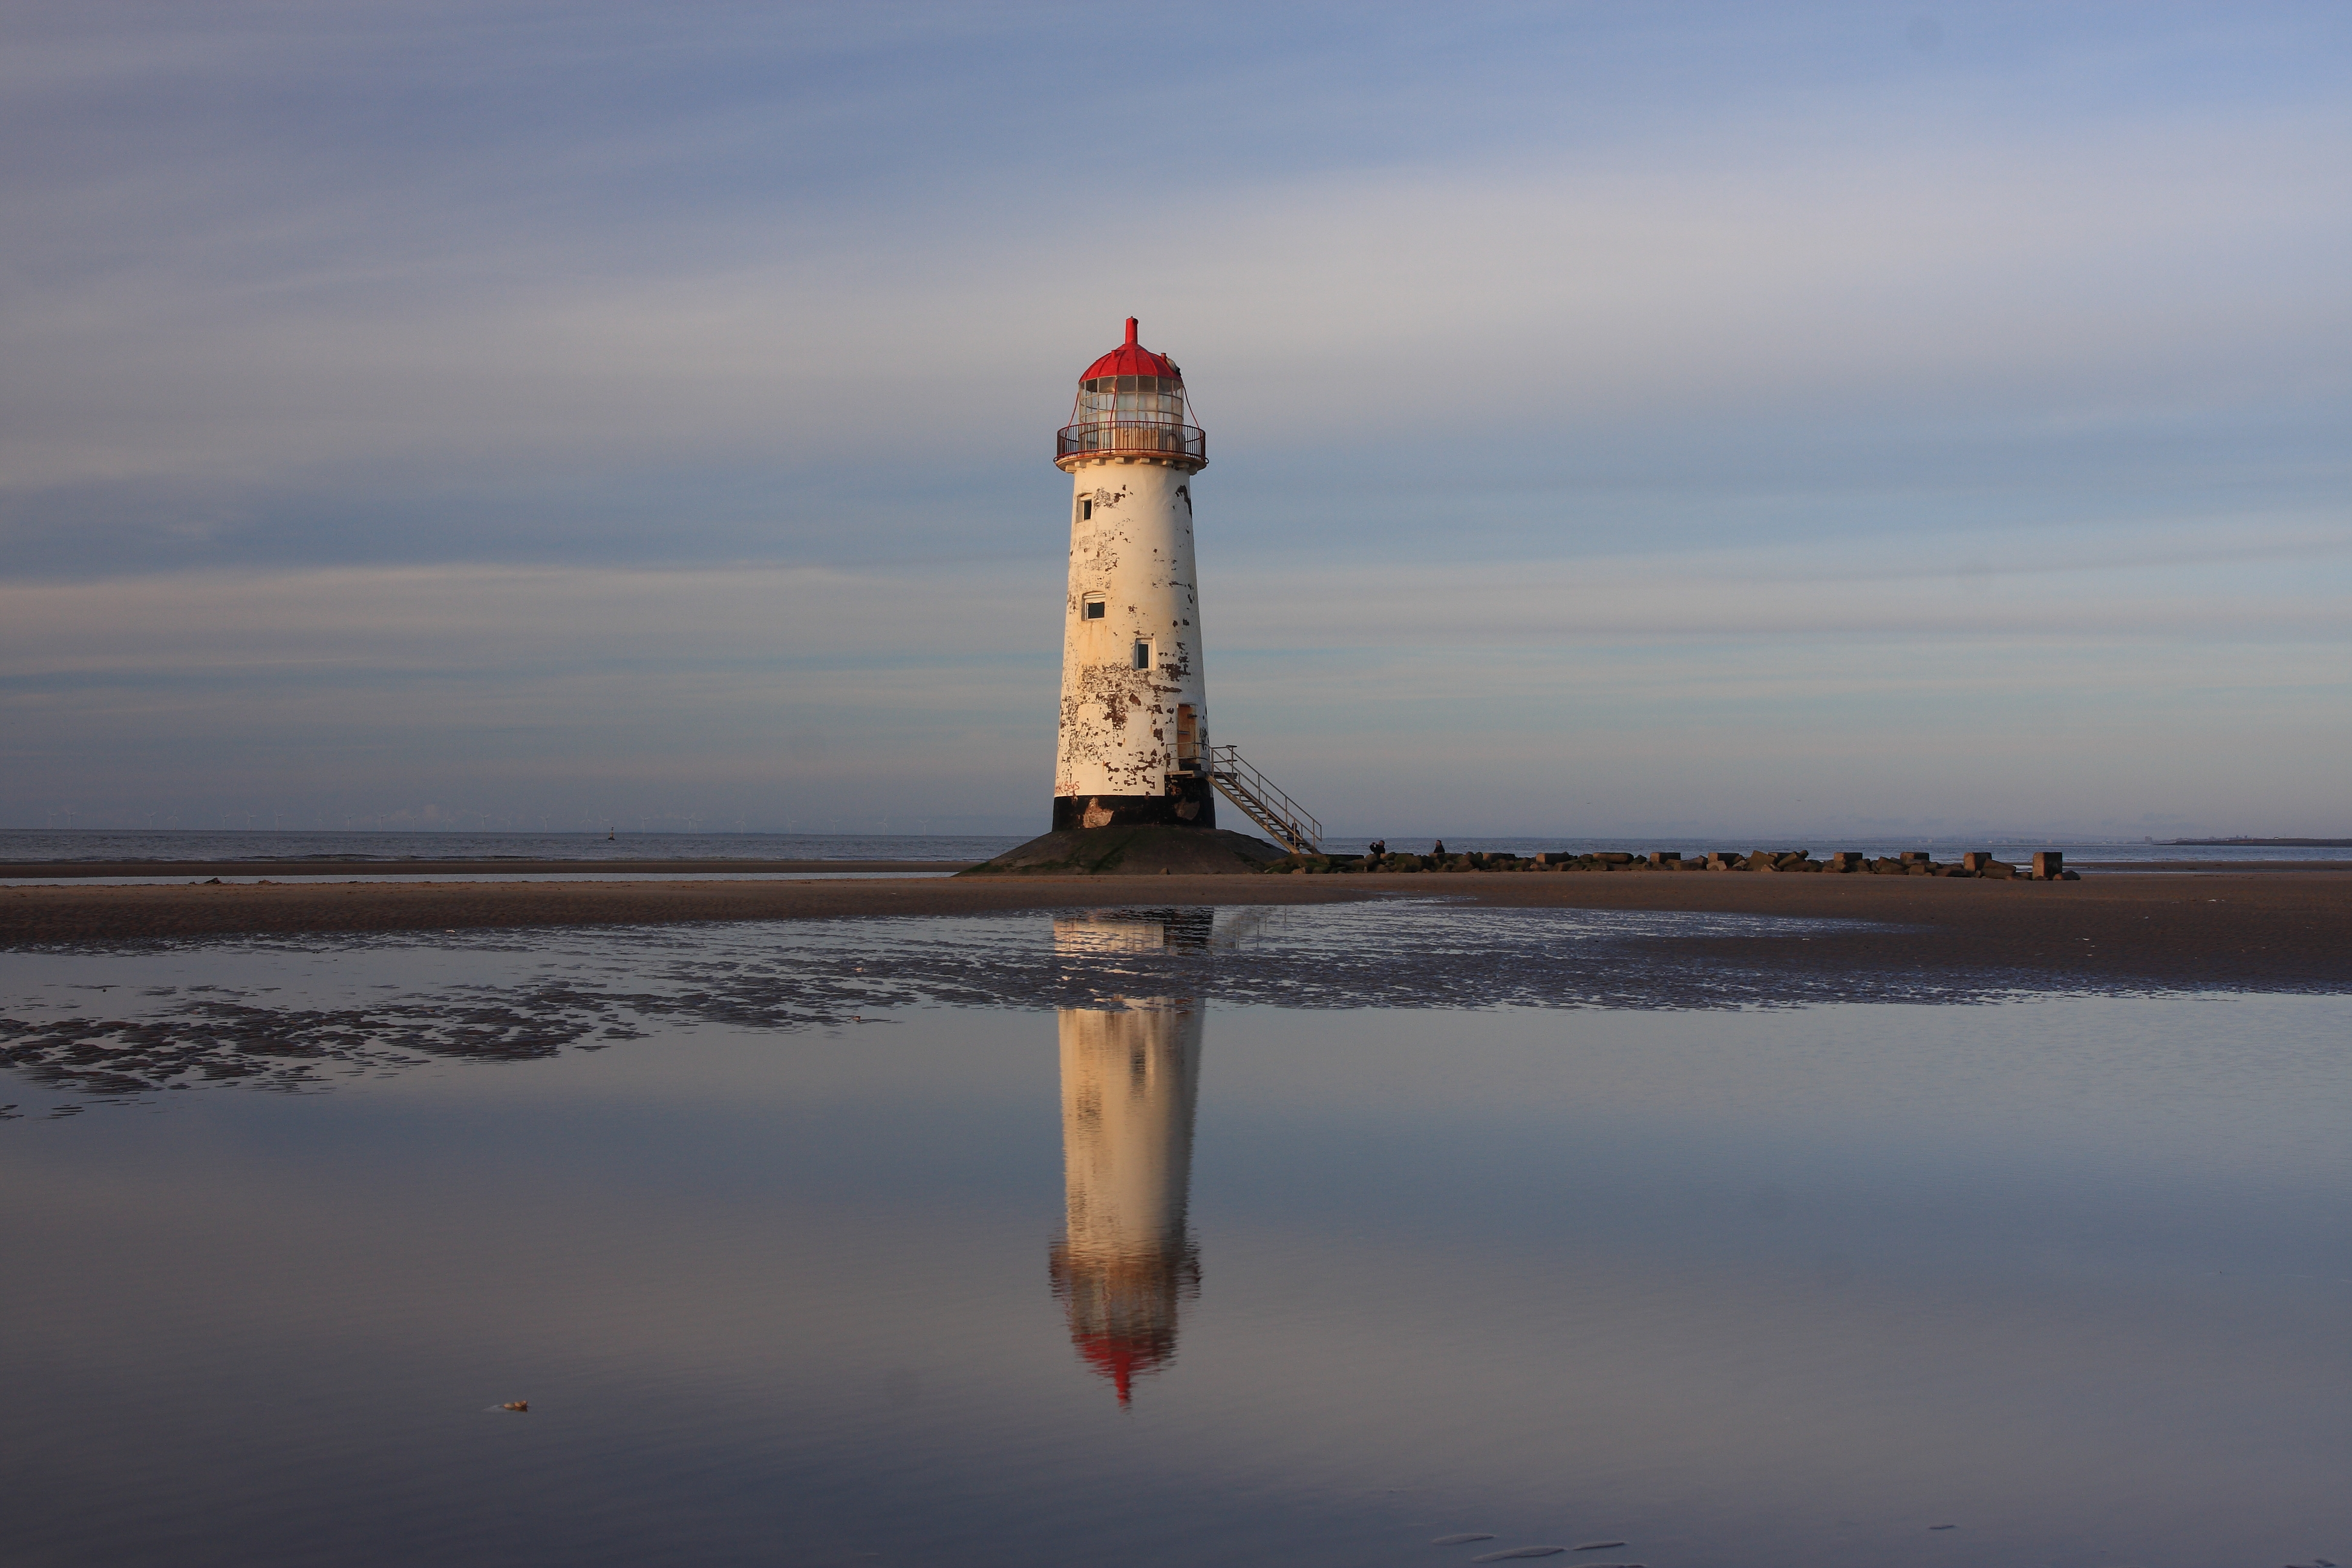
{"type": "Point", "coordinates": [2236, 928]}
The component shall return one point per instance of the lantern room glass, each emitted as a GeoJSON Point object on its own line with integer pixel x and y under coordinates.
{"type": "Point", "coordinates": [1132, 414]}
{"type": "Point", "coordinates": [1130, 400]}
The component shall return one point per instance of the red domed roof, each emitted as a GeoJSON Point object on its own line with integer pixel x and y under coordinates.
{"type": "Point", "coordinates": [1131, 358]}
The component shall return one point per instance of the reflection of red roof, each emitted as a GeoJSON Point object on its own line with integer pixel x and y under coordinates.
{"type": "Point", "coordinates": [1119, 1357]}
{"type": "Point", "coordinates": [1131, 358]}
{"type": "Point", "coordinates": [1122, 1305]}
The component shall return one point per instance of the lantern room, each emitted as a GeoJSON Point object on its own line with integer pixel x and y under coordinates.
{"type": "Point", "coordinates": [1131, 402]}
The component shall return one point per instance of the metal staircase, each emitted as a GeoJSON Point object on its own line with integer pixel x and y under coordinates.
{"type": "Point", "coordinates": [1282, 818]}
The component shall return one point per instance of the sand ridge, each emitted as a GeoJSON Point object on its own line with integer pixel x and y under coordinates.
{"type": "Point", "coordinates": [2224, 929]}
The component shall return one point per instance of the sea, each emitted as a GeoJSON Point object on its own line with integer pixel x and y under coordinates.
{"type": "Point", "coordinates": [1399, 1232]}
{"type": "Point", "coordinates": [68, 845]}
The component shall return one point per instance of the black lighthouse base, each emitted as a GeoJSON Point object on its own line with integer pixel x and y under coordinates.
{"type": "Point", "coordinates": [1190, 801]}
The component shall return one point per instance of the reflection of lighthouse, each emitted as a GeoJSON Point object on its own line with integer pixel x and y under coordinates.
{"type": "Point", "coordinates": [1129, 1083]}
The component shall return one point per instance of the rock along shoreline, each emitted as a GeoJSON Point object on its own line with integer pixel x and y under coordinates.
{"type": "Point", "coordinates": [2047, 865]}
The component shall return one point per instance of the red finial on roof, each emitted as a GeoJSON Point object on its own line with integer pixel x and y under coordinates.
{"type": "Point", "coordinates": [1131, 358]}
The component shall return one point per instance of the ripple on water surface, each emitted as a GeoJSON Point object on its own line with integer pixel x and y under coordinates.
{"type": "Point", "coordinates": [123, 1020]}
{"type": "Point", "coordinates": [1158, 1237]}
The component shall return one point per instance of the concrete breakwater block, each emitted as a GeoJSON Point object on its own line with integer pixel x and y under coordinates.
{"type": "Point", "coordinates": [2048, 865]}
{"type": "Point", "coordinates": [1147, 851]}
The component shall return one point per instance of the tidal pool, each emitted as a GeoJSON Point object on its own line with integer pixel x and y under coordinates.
{"type": "Point", "coordinates": [1309, 1236]}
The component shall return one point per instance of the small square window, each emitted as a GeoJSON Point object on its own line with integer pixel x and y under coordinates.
{"type": "Point", "coordinates": [1094, 609]}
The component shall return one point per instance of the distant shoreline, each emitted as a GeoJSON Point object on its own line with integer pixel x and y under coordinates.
{"type": "Point", "coordinates": [179, 872]}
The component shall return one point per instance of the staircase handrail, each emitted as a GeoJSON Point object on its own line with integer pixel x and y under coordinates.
{"type": "Point", "coordinates": [1283, 816]}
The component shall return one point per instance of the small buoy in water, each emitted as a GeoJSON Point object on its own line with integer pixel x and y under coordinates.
{"type": "Point", "coordinates": [517, 1405]}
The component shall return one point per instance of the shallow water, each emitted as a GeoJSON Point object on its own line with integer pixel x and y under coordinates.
{"type": "Point", "coordinates": [841, 1242]}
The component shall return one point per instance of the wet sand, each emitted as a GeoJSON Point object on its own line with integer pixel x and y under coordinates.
{"type": "Point", "coordinates": [2237, 928]}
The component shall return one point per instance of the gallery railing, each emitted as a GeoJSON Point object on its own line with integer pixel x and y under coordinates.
{"type": "Point", "coordinates": [1119, 437]}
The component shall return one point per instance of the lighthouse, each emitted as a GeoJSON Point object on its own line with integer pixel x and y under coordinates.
{"type": "Point", "coordinates": [1136, 781]}
{"type": "Point", "coordinates": [1133, 748]}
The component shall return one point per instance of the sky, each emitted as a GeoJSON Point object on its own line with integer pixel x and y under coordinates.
{"type": "Point", "coordinates": [1703, 420]}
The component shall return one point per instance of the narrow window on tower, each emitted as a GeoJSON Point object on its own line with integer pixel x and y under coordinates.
{"type": "Point", "coordinates": [1093, 607]}
{"type": "Point", "coordinates": [1142, 654]}
{"type": "Point", "coordinates": [1085, 512]}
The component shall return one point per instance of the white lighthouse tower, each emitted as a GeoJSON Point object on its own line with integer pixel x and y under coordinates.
{"type": "Point", "coordinates": [1135, 714]}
